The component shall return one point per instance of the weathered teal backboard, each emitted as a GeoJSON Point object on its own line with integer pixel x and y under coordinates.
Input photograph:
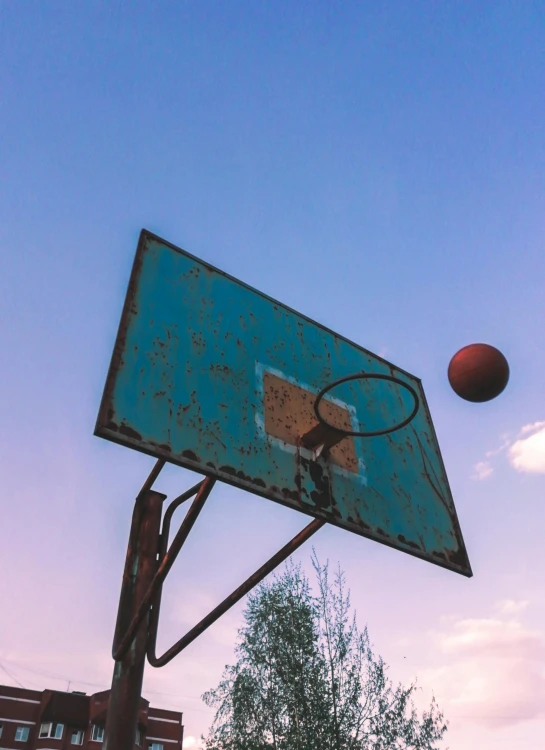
{"type": "Point", "coordinates": [214, 376]}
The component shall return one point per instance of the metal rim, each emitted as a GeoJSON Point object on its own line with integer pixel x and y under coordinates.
{"type": "Point", "coordinates": [365, 376]}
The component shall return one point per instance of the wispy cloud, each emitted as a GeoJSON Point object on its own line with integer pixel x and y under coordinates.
{"type": "Point", "coordinates": [482, 470]}
{"type": "Point", "coordinates": [511, 607]}
{"type": "Point", "coordinates": [525, 452]}
{"type": "Point", "coordinates": [505, 443]}
{"type": "Point", "coordinates": [532, 427]}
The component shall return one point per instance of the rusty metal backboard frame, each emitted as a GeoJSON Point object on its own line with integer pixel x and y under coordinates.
{"type": "Point", "coordinates": [214, 376]}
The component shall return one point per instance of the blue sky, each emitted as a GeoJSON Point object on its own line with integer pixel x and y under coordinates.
{"type": "Point", "coordinates": [379, 166]}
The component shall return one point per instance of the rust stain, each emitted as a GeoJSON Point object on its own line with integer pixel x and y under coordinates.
{"type": "Point", "coordinates": [129, 432]}
{"type": "Point", "coordinates": [408, 542]}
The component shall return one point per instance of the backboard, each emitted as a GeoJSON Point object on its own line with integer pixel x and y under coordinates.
{"type": "Point", "coordinates": [215, 376]}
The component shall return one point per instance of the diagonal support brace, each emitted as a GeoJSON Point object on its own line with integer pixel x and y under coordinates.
{"type": "Point", "coordinates": [227, 603]}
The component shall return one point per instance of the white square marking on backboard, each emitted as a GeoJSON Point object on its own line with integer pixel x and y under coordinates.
{"type": "Point", "coordinates": [260, 370]}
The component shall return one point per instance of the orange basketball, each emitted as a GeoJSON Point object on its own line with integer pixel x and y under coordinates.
{"type": "Point", "coordinates": [478, 372]}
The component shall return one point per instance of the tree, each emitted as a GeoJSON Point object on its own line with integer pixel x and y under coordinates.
{"type": "Point", "coordinates": [306, 678]}
{"type": "Point", "coordinates": [367, 712]}
{"type": "Point", "coordinates": [274, 697]}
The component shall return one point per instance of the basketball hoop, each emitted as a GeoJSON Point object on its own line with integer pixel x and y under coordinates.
{"type": "Point", "coordinates": [366, 376]}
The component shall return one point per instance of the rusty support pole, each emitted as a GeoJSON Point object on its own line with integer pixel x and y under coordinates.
{"type": "Point", "coordinates": [165, 564]}
{"type": "Point", "coordinates": [140, 568]}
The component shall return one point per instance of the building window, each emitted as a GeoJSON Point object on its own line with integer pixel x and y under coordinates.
{"type": "Point", "coordinates": [21, 734]}
{"type": "Point", "coordinates": [139, 737]}
{"type": "Point", "coordinates": [156, 746]}
{"type": "Point", "coordinates": [77, 737]}
{"type": "Point", "coordinates": [48, 729]}
{"type": "Point", "coordinates": [97, 733]}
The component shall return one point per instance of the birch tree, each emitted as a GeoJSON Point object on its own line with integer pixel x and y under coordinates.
{"type": "Point", "coordinates": [306, 677]}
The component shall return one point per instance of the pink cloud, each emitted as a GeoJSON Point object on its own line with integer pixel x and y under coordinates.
{"type": "Point", "coordinates": [492, 636]}
{"type": "Point", "coordinates": [494, 672]}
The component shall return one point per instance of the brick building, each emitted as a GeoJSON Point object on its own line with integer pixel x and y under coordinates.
{"type": "Point", "coordinates": [54, 720]}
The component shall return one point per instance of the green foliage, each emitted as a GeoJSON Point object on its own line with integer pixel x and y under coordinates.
{"type": "Point", "coordinates": [306, 678]}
